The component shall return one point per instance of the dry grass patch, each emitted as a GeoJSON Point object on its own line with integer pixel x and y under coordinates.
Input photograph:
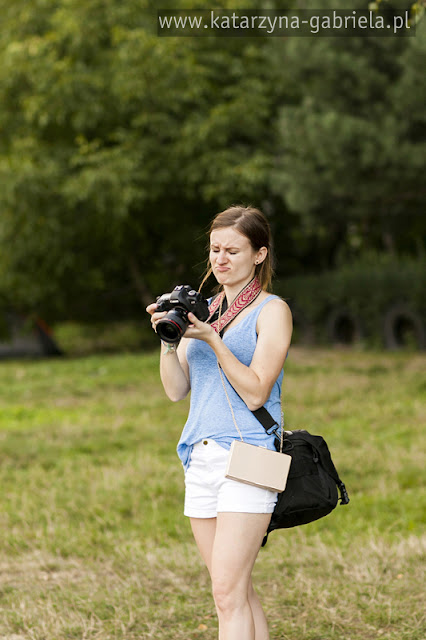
{"type": "Point", "coordinates": [309, 591]}
{"type": "Point", "coordinates": [93, 543]}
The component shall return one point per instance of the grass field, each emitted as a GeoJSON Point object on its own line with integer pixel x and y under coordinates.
{"type": "Point", "coordinates": [93, 543]}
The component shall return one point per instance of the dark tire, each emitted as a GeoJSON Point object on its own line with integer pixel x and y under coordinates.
{"type": "Point", "coordinates": [343, 327]}
{"type": "Point", "coordinates": [403, 327]}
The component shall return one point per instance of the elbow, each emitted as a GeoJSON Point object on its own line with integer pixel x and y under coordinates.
{"type": "Point", "coordinates": [253, 406]}
{"type": "Point", "coordinates": [175, 396]}
{"type": "Point", "coordinates": [255, 402]}
{"type": "Point", "coordinates": [258, 397]}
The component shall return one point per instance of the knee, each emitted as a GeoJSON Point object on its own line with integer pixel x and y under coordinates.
{"type": "Point", "coordinates": [227, 596]}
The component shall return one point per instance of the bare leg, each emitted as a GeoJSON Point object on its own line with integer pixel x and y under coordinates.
{"type": "Point", "coordinates": [204, 530]}
{"type": "Point", "coordinates": [236, 545]}
{"type": "Point", "coordinates": [260, 622]}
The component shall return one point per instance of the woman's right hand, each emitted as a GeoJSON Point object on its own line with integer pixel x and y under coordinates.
{"type": "Point", "coordinates": [155, 316]}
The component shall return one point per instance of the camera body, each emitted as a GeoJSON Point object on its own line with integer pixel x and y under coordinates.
{"type": "Point", "coordinates": [181, 301]}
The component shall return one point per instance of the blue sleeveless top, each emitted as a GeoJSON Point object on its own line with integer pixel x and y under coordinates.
{"type": "Point", "coordinates": [210, 415]}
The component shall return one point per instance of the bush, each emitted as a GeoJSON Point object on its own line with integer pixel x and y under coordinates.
{"type": "Point", "coordinates": [356, 301]}
{"type": "Point", "coordinates": [78, 339]}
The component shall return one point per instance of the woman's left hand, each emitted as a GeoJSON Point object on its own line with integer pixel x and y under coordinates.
{"type": "Point", "coordinates": [199, 330]}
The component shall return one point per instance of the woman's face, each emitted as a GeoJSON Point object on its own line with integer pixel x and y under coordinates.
{"type": "Point", "coordinates": [232, 257]}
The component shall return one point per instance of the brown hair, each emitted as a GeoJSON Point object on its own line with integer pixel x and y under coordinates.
{"type": "Point", "coordinates": [250, 222]}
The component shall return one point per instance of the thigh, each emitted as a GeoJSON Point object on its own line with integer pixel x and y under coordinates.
{"type": "Point", "coordinates": [237, 542]}
{"type": "Point", "coordinates": [204, 530]}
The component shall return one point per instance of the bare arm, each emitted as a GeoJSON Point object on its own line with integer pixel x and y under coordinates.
{"type": "Point", "coordinates": [174, 370]}
{"type": "Point", "coordinates": [253, 383]}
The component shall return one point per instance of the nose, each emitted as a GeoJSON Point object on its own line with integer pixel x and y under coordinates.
{"type": "Point", "coordinates": [221, 257]}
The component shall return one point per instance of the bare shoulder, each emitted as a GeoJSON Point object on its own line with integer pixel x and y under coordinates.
{"type": "Point", "coordinates": [275, 311]}
{"type": "Point", "coordinates": [277, 306]}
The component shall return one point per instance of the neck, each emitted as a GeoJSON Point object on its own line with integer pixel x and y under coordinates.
{"type": "Point", "coordinates": [232, 292]}
{"type": "Point", "coordinates": [240, 300]}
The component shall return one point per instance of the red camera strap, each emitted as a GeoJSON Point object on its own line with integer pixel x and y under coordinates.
{"type": "Point", "coordinates": [243, 299]}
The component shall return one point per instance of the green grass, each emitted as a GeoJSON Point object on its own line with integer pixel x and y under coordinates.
{"type": "Point", "coordinates": [93, 543]}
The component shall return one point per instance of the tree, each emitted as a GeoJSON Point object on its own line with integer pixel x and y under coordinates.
{"type": "Point", "coordinates": [113, 142]}
{"type": "Point", "coordinates": [351, 144]}
{"type": "Point", "coordinates": [117, 146]}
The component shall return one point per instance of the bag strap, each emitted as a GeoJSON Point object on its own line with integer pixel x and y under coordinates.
{"type": "Point", "coordinates": [244, 298]}
{"type": "Point", "coordinates": [266, 420]}
{"type": "Point", "coordinates": [262, 414]}
{"type": "Point", "coordinates": [317, 443]}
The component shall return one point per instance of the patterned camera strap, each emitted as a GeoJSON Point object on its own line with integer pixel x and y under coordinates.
{"type": "Point", "coordinates": [219, 320]}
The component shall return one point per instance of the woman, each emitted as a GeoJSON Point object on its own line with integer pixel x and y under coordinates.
{"type": "Point", "coordinates": [249, 337]}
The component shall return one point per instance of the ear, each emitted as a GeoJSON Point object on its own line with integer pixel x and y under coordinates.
{"type": "Point", "coordinates": [261, 255]}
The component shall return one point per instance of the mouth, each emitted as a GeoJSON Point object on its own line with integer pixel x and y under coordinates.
{"type": "Point", "coordinates": [222, 269]}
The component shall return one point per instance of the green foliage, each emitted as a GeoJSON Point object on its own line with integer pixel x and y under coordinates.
{"type": "Point", "coordinates": [389, 8]}
{"type": "Point", "coordinates": [117, 146]}
{"type": "Point", "coordinates": [110, 137]}
{"type": "Point", "coordinates": [352, 141]}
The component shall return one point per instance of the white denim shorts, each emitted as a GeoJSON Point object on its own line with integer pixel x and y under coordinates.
{"type": "Point", "coordinates": [208, 492]}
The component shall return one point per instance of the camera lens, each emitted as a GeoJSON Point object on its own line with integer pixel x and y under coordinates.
{"type": "Point", "coordinates": [172, 327]}
{"type": "Point", "coordinates": [168, 332]}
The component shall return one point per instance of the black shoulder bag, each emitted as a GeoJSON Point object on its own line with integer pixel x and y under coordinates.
{"type": "Point", "coordinates": [311, 490]}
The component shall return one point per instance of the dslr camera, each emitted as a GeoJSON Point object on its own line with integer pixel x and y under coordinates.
{"type": "Point", "coordinates": [181, 301]}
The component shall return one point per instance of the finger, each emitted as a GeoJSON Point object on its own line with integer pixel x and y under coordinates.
{"type": "Point", "coordinates": [193, 319]}
{"type": "Point", "coordinates": [157, 316]}
{"type": "Point", "coordinates": [151, 307]}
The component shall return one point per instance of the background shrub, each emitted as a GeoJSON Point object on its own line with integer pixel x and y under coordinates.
{"type": "Point", "coordinates": [365, 290]}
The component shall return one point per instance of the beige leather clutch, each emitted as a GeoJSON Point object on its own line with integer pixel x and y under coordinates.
{"type": "Point", "coordinates": [258, 466]}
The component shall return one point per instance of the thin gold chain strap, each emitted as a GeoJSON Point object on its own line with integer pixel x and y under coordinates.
{"type": "Point", "coordinates": [229, 402]}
